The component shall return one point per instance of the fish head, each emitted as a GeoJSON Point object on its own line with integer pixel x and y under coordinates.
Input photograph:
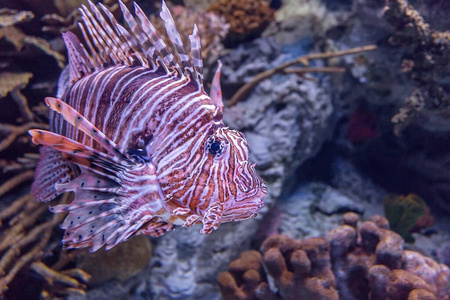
{"type": "Point", "coordinates": [237, 182]}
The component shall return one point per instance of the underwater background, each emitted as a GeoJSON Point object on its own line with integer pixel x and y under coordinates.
{"type": "Point", "coordinates": [345, 106]}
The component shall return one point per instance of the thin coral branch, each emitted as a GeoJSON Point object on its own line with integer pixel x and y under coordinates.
{"type": "Point", "coordinates": [27, 162]}
{"type": "Point", "coordinates": [22, 103]}
{"type": "Point", "coordinates": [35, 254]}
{"type": "Point", "coordinates": [304, 60]}
{"type": "Point", "coordinates": [314, 70]}
{"type": "Point", "coordinates": [65, 257]}
{"type": "Point", "coordinates": [13, 132]}
{"type": "Point", "coordinates": [15, 181]}
{"type": "Point", "coordinates": [14, 207]}
{"type": "Point", "coordinates": [52, 277]}
{"type": "Point", "coordinates": [18, 237]}
{"type": "Point", "coordinates": [13, 235]}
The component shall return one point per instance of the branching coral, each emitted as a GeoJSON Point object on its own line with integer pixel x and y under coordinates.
{"type": "Point", "coordinates": [367, 263]}
{"type": "Point", "coordinates": [285, 68]}
{"type": "Point", "coordinates": [11, 35]}
{"type": "Point", "coordinates": [247, 18]}
{"type": "Point", "coordinates": [426, 61]}
{"type": "Point", "coordinates": [26, 226]}
{"type": "Point", "coordinates": [67, 15]}
{"type": "Point", "coordinates": [25, 230]}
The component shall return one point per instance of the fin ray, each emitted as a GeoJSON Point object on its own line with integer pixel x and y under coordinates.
{"type": "Point", "coordinates": [111, 44]}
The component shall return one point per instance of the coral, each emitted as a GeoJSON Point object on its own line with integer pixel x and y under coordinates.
{"type": "Point", "coordinates": [426, 61]}
{"type": "Point", "coordinates": [407, 214]}
{"type": "Point", "coordinates": [9, 17]}
{"type": "Point", "coordinates": [285, 68]}
{"type": "Point", "coordinates": [371, 262]}
{"type": "Point", "coordinates": [26, 239]}
{"type": "Point", "coordinates": [315, 13]}
{"type": "Point", "coordinates": [299, 270]}
{"type": "Point", "coordinates": [10, 35]}
{"type": "Point", "coordinates": [116, 263]}
{"type": "Point", "coordinates": [243, 276]}
{"type": "Point", "coordinates": [65, 16]}
{"type": "Point", "coordinates": [26, 228]}
{"type": "Point", "coordinates": [364, 263]}
{"type": "Point", "coordinates": [247, 18]}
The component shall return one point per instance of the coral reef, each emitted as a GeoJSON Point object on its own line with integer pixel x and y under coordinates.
{"type": "Point", "coordinates": [247, 18]}
{"type": "Point", "coordinates": [364, 263]}
{"type": "Point", "coordinates": [285, 69]}
{"type": "Point", "coordinates": [407, 214]}
{"type": "Point", "coordinates": [425, 61]}
{"type": "Point", "coordinates": [14, 40]}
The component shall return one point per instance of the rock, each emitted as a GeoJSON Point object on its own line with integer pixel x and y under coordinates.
{"type": "Point", "coordinates": [332, 202]}
{"type": "Point", "coordinates": [304, 213]}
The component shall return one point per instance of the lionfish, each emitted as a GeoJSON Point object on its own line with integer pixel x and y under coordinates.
{"type": "Point", "coordinates": [138, 140]}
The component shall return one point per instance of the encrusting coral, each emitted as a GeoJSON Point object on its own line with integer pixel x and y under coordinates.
{"type": "Point", "coordinates": [426, 62]}
{"type": "Point", "coordinates": [350, 263]}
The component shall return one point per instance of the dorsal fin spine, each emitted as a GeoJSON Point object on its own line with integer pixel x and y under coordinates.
{"type": "Point", "coordinates": [176, 40]}
{"type": "Point", "coordinates": [101, 36]}
{"type": "Point", "coordinates": [127, 43]}
{"type": "Point", "coordinates": [196, 55]}
{"type": "Point", "coordinates": [112, 37]}
{"type": "Point", "coordinates": [157, 41]}
{"type": "Point", "coordinates": [96, 38]}
{"type": "Point", "coordinates": [124, 44]}
{"type": "Point", "coordinates": [109, 43]}
{"type": "Point", "coordinates": [94, 57]}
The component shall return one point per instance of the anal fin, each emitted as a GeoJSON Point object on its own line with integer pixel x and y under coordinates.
{"type": "Point", "coordinates": [52, 169]}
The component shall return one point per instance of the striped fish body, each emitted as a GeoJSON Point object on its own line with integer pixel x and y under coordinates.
{"type": "Point", "coordinates": [138, 140]}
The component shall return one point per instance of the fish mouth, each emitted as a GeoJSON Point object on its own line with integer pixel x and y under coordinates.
{"type": "Point", "coordinates": [248, 208]}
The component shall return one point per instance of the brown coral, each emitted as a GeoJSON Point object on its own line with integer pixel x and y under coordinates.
{"type": "Point", "coordinates": [247, 18]}
{"type": "Point", "coordinates": [67, 15]}
{"type": "Point", "coordinates": [426, 61]}
{"type": "Point", "coordinates": [299, 270]}
{"type": "Point", "coordinates": [367, 263]}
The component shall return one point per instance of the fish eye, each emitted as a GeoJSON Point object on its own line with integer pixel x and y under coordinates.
{"type": "Point", "coordinates": [215, 147]}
